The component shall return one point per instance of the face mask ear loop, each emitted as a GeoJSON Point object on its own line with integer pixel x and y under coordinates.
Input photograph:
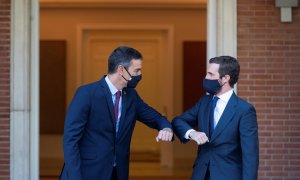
{"type": "Point", "coordinates": [128, 73]}
{"type": "Point", "coordinates": [221, 81]}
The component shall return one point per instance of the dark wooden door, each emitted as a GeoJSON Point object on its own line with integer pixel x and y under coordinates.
{"type": "Point", "coordinates": [52, 86]}
{"type": "Point", "coordinates": [194, 70]}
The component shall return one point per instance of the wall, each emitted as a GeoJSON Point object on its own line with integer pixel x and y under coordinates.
{"type": "Point", "coordinates": [269, 53]}
{"type": "Point", "coordinates": [60, 23]}
{"type": "Point", "coordinates": [4, 88]}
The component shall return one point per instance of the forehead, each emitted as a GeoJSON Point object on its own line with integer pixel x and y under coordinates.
{"type": "Point", "coordinates": [135, 63]}
{"type": "Point", "coordinates": [213, 68]}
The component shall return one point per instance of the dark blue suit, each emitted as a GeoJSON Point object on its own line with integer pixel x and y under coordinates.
{"type": "Point", "coordinates": [232, 153]}
{"type": "Point", "coordinates": [90, 142]}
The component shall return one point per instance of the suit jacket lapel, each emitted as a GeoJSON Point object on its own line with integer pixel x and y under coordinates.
{"type": "Point", "coordinates": [226, 117]}
{"type": "Point", "coordinates": [205, 124]}
{"type": "Point", "coordinates": [109, 101]}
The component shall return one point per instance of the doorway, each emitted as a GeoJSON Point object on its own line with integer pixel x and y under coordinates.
{"type": "Point", "coordinates": [92, 33]}
{"type": "Point", "coordinates": [24, 123]}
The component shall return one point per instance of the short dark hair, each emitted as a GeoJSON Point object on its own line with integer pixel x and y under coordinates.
{"type": "Point", "coordinates": [122, 56]}
{"type": "Point", "coordinates": [228, 66]}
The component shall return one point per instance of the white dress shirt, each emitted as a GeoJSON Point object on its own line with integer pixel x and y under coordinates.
{"type": "Point", "coordinates": [220, 107]}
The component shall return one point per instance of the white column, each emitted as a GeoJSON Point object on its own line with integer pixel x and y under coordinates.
{"type": "Point", "coordinates": [227, 28]}
{"type": "Point", "coordinates": [24, 91]}
{"type": "Point", "coordinates": [221, 28]}
{"type": "Point", "coordinates": [211, 28]}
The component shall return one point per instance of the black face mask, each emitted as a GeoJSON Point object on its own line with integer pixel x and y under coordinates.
{"type": "Point", "coordinates": [211, 86]}
{"type": "Point", "coordinates": [133, 81]}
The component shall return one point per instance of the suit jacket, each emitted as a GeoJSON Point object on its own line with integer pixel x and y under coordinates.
{"type": "Point", "coordinates": [232, 152]}
{"type": "Point", "coordinates": [90, 142]}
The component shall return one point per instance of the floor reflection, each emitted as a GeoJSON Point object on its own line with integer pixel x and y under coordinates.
{"type": "Point", "coordinates": [51, 161]}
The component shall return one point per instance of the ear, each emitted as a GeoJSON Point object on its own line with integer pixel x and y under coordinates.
{"type": "Point", "coordinates": [226, 78]}
{"type": "Point", "coordinates": [120, 70]}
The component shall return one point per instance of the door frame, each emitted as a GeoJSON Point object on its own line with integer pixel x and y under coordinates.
{"type": "Point", "coordinates": [24, 127]}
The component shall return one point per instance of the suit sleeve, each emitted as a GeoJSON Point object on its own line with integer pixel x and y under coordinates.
{"type": "Point", "coordinates": [75, 122]}
{"type": "Point", "coordinates": [150, 116]}
{"type": "Point", "coordinates": [186, 121]}
{"type": "Point", "coordinates": [249, 144]}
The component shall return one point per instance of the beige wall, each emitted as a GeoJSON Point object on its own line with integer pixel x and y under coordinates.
{"type": "Point", "coordinates": [61, 24]}
{"type": "Point", "coordinates": [189, 25]}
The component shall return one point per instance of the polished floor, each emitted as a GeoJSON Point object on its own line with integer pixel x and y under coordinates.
{"type": "Point", "coordinates": [143, 166]}
{"type": "Point", "coordinates": [138, 171]}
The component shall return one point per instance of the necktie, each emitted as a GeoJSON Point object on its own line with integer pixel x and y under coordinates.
{"type": "Point", "coordinates": [211, 115]}
{"type": "Point", "coordinates": [118, 95]}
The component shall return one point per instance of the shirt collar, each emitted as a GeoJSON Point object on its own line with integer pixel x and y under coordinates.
{"type": "Point", "coordinates": [226, 96]}
{"type": "Point", "coordinates": [111, 87]}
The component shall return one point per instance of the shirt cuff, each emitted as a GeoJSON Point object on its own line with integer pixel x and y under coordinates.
{"type": "Point", "coordinates": [187, 134]}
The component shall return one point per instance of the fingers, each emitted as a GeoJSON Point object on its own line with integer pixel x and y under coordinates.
{"type": "Point", "coordinates": [199, 137]}
{"type": "Point", "coordinates": [165, 134]}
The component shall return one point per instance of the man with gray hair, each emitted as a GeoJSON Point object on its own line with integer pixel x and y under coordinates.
{"type": "Point", "coordinates": [101, 118]}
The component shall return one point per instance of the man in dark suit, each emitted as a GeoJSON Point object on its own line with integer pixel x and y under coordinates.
{"type": "Point", "coordinates": [101, 118]}
{"type": "Point", "coordinates": [227, 129]}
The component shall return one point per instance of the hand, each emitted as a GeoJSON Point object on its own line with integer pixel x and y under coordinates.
{"type": "Point", "coordinates": [165, 134]}
{"type": "Point", "coordinates": [199, 137]}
